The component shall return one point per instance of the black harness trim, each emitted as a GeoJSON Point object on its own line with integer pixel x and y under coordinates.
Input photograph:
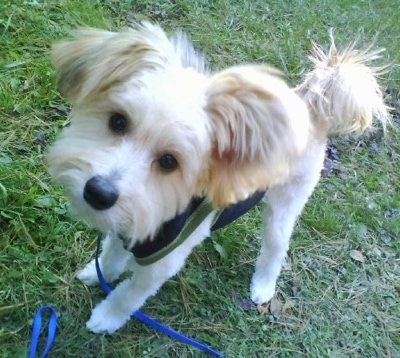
{"type": "Point", "coordinates": [168, 232]}
{"type": "Point", "coordinates": [172, 229]}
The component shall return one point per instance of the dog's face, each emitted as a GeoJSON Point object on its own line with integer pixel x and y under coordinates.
{"type": "Point", "coordinates": [131, 158]}
{"type": "Point", "coordinates": [148, 132]}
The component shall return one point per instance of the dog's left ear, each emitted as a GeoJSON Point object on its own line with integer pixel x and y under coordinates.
{"type": "Point", "coordinates": [94, 60]}
{"type": "Point", "coordinates": [259, 128]}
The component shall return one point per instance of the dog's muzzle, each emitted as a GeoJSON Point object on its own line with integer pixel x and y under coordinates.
{"type": "Point", "coordinates": [100, 193]}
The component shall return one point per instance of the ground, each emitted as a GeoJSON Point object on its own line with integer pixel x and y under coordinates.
{"type": "Point", "coordinates": [338, 295]}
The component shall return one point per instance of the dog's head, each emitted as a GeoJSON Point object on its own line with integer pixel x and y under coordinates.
{"type": "Point", "coordinates": [150, 129]}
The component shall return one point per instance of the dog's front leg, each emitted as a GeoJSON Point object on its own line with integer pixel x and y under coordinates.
{"type": "Point", "coordinates": [113, 261]}
{"type": "Point", "coordinates": [112, 313]}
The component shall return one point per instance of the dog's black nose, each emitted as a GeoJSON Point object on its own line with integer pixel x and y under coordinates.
{"type": "Point", "coordinates": [100, 193]}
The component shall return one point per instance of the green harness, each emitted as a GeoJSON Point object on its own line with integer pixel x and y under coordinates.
{"type": "Point", "coordinates": [174, 232]}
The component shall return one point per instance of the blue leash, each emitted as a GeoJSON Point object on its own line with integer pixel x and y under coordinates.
{"type": "Point", "coordinates": [150, 321]}
{"type": "Point", "coordinates": [36, 328]}
{"type": "Point", "coordinates": [52, 324]}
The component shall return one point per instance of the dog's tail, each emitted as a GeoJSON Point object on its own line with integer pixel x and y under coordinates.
{"type": "Point", "coordinates": [342, 91]}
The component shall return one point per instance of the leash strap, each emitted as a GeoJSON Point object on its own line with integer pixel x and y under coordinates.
{"type": "Point", "coordinates": [150, 321]}
{"type": "Point", "coordinates": [52, 322]}
{"type": "Point", "coordinates": [37, 327]}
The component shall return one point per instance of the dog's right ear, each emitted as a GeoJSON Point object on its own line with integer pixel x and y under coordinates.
{"type": "Point", "coordinates": [93, 60]}
{"type": "Point", "coordinates": [259, 128]}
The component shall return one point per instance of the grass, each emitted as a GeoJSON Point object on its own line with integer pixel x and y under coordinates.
{"type": "Point", "coordinates": [332, 305]}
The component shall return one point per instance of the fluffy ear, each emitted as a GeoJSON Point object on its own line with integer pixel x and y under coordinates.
{"type": "Point", "coordinates": [93, 60]}
{"type": "Point", "coordinates": [260, 126]}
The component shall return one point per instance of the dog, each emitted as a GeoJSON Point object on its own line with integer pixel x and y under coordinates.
{"type": "Point", "coordinates": [155, 136]}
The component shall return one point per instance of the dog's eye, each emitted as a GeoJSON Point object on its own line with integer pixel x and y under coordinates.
{"type": "Point", "coordinates": [118, 123]}
{"type": "Point", "coordinates": [167, 163]}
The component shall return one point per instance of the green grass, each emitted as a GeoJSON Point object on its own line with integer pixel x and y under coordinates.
{"type": "Point", "coordinates": [333, 306]}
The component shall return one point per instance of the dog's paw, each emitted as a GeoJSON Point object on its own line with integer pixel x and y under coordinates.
{"type": "Point", "coordinates": [262, 291]}
{"type": "Point", "coordinates": [88, 274]}
{"type": "Point", "coordinates": [107, 318]}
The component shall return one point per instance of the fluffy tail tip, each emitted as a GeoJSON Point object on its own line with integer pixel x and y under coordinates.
{"type": "Point", "coordinates": [343, 91]}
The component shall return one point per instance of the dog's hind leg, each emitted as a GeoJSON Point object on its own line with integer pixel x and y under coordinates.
{"type": "Point", "coordinates": [283, 205]}
{"type": "Point", "coordinates": [113, 261]}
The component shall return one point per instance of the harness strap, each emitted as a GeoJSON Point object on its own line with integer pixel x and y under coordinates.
{"type": "Point", "coordinates": [233, 212]}
{"type": "Point", "coordinates": [171, 242]}
{"type": "Point", "coordinates": [175, 231]}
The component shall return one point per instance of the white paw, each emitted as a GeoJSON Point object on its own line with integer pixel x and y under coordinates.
{"type": "Point", "coordinates": [107, 318]}
{"type": "Point", "coordinates": [88, 274]}
{"type": "Point", "coordinates": [261, 291]}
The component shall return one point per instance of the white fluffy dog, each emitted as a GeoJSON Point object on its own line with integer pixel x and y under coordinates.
{"type": "Point", "coordinates": [152, 131]}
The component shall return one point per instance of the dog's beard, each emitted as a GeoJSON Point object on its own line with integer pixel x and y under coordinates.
{"type": "Point", "coordinates": [140, 210]}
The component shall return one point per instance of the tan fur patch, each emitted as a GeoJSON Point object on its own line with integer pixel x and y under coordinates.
{"type": "Point", "coordinates": [259, 127]}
